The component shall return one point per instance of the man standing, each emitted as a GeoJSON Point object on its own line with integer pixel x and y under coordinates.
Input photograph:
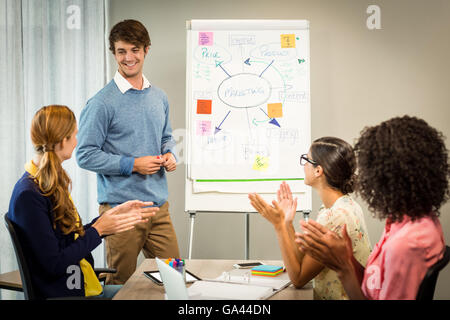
{"type": "Point", "coordinates": [126, 138]}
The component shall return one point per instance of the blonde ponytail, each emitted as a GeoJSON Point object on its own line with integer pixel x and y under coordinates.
{"type": "Point", "coordinates": [50, 126]}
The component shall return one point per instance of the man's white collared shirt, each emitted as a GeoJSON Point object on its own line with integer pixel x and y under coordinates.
{"type": "Point", "coordinates": [124, 85]}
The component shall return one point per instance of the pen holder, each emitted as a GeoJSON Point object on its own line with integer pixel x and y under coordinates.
{"type": "Point", "coordinates": [181, 269]}
{"type": "Point", "coordinates": [179, 265]}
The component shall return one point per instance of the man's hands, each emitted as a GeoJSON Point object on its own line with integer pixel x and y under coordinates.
{"type": "Point", "coordinates": [148, 164]}
{"type": "Point", "coordinates": [169, 162]}
{"type": "Point", "coordinates": [124, 217]}
{"type": "Point", "coordinates": [152, 164]}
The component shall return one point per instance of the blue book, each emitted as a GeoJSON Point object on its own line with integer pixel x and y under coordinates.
{"type": "Point", "coordinates": [267, 268]}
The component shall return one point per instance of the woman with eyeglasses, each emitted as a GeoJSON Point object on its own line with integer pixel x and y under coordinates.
{"type": "Point", "coordinates": [403, 176]}
{"type": "Point", "coordinates": [330, 170]}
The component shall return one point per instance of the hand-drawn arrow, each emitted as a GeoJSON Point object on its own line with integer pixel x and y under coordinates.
{"type": "Point", "coordinates": [219, 64]}
{"type": "Point", "coordinates": [266, 68]}
{"type": "Point", "coordinates": [301, 60]}
{"type": "Point", "coordinates": [247, 61]}
{"type": "Point", "coordinates": [218, 128]}
{"type": "Point", "coordinates": [255, 122]}
{"type": "Point", "coordinates": [273, 120]}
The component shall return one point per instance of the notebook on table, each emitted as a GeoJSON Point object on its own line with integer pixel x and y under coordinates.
{"type": "Point", "coordinates": [277, 283]}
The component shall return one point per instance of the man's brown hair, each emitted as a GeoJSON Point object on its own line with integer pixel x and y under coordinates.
{"type": "Point", "coordinates": [130, 31]}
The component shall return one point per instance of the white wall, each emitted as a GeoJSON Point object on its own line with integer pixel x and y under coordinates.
{"type": "Point", "coordinates": [359, 77]}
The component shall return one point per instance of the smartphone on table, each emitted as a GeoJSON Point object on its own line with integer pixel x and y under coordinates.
{"type": "Point", "coordinates": [246, 265]}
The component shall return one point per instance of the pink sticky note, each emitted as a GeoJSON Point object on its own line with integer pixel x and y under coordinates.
{"type": "Point", "coordinates": [205, 39]}
{"type": "Point", "coordinates": [203, 128]}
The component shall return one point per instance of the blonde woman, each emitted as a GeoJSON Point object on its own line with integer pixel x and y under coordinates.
{"type": "Point", "coordinates": [56, 244]}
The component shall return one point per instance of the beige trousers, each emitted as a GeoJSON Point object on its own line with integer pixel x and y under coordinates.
{"type": "Point", "coordinates": [156, 238]}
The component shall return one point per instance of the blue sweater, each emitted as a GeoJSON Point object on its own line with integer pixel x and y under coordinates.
{"type": "Point", "coordinates": [48, 251]}
{"type": "Point", "coordinates": [114, 129]}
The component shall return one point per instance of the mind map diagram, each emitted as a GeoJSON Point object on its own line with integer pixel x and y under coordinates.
{"type": "Point", "coordinates": [250, 100]}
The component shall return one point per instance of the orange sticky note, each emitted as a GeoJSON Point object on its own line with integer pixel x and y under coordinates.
{"type": "Point", "coordinates": [204, 106]}
{"type": "Point", "coordinates": [287, 40]}
{"type": "Point", "coordinates": [275, 110]}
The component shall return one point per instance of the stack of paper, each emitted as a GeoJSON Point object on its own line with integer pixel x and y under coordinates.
{"type": "Point", "coordinates": [267, 270]}
{"type": "Point", "coordinates": [208, 290]}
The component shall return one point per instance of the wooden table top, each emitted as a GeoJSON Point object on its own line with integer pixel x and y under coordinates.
{"type": "Point", "coordinates": [11, 281]}
{"type": "Point", "coordinates": [139, 287]}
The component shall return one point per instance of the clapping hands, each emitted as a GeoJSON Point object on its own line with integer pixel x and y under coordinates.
{"type": "Point", "coordinates": [324, 245]}
{"type": "Point", "coordinates": [281, 211]}
{"type": "Point", "coordinates": [124, 217]}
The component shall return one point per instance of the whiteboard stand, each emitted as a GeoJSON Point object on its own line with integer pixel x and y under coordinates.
{"type": "Point", "coordinates": [191, 232]}
{"type": "Point", "coordinates": [192, 215]}
{"type": "Point", "coordinates": [247, 235]}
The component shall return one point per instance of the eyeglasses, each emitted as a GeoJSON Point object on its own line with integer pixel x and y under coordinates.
{"type": "Point", "coordinates": [304, 158]}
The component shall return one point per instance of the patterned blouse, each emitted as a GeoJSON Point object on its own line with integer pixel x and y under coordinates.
{"type": "Point", "coordinates": [345, 210]}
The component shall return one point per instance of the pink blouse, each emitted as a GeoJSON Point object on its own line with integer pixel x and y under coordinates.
{"type": "Point", "coordinates": [400, 260]}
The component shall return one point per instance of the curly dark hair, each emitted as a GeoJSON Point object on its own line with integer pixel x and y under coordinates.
{"type": "Point", "coordinates": [338, 161]}
{"type": "Point", "coordinates": [403, 168]}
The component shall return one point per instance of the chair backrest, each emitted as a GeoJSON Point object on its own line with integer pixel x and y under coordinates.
{"type": "Point", "coordinates": [426, 289]}
{"type": "Point", "coordinates": [25, 275]}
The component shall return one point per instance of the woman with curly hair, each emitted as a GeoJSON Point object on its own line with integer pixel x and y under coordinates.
{"type": "Point", "coordinates": [403, 175]}
{"type": "Point", "coordinates": [55, 242]}
{"type": "Point", "coordinates": [330, 170]}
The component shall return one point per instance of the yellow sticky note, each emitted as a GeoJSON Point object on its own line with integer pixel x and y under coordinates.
{"type": "Point", "coordinates": [288, 40]}
{"type": "Point", "coordinates": [261, 163]}
{"type": "Point", "coordinates": [275, 110]}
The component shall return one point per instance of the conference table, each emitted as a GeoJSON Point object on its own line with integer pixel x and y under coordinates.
{"type": "Point", "coordinates": [139, 287]}
{"type": "Point", "coordinates": [11, 281]}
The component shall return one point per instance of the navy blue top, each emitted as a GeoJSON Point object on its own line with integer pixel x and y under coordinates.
{"type": "Point", "coordinates": [48, 251]}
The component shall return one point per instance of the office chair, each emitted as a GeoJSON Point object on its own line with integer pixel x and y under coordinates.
{"type": "Point", "coordinates": [428, 284]}
{"type": "Point", "coordinates": [25, 275]}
